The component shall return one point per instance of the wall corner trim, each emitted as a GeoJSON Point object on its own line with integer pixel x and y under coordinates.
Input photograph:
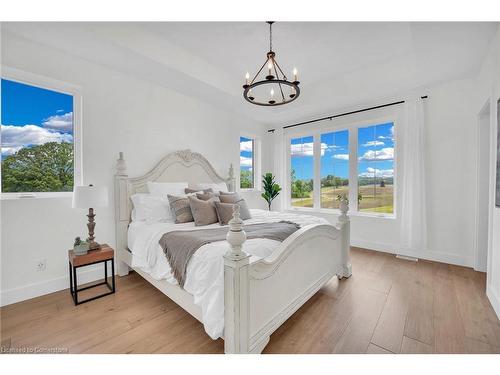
{"type": "Point", "coordinates": [494, 299]}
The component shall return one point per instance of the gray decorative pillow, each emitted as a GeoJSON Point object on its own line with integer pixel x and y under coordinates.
{"type": "Point", "coordinates": [204, 212]}
{"type": "Point", "coordinates": [206, 196]}
{"type": "Point", "coordinates": [224, 212]}
{"type": "Point", "coordinates": [235, 199]}
{"type": "Point", "coordinates": [227, 193]}
{"type": "Point", "coordinates": [181, 210]}
{"type": "Point", "coordinates": [204, 191]}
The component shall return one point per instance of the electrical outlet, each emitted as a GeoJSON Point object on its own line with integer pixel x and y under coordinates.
{"type": "Point", "coordinates": [41, 265]}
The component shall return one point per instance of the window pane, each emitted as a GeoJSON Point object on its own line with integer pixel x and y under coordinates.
{"type": "Point", "coordinates": [376, 168]}
{"type": "Point", "coordinates": [37, 139]}
{"type": "Point", "coordinates": [334, 168]}
{"type": "Point", "coordinates": [302, 169]}
{"type": "Point", "coordinates": [246, 163]}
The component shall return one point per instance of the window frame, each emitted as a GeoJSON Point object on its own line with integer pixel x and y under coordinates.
{"type": "Point", "coordinates": [47, 83]}
{"type": "Point", "coordinates": [255, 162]}
{"type": "Point", "coordinates": [352, 127]}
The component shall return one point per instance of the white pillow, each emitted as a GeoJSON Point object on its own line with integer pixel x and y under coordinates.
{"type": "Point", "coordinates": [164, 188]}
{"type": "Point", "coordinates": [215, 186]}
{"type": "Point", "coordinates": [150, 208]}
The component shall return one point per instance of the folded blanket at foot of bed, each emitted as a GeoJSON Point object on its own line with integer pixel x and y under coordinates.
{"type": "Point", "coordinates": [180, 245]}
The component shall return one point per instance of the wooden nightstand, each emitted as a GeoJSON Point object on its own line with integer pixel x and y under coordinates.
{"type": "Point", "coordinates": [102, 255]}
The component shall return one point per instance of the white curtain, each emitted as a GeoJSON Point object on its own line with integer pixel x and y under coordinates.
{"type": "Point", "coordinates": [413, 197]}
{"type": "Point", "coordinates": [279, 167]}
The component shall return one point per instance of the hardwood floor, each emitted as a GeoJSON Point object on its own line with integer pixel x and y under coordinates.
{"type": "Point", "coordinates": [388, 306]}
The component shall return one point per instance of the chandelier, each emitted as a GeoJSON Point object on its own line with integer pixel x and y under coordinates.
{"type": "Point", "coordinates": [271, 89]}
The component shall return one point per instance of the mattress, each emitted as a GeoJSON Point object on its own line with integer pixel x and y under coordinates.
{"type": "Point", "coordinates": [205, 271]}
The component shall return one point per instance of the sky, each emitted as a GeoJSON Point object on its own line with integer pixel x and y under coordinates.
{"type": "Point", "coordinates": [33, 116]}
{"type": "Point", "coordinates": [246, 153]}
{"type": "Point", "coordinates": [375, 153]}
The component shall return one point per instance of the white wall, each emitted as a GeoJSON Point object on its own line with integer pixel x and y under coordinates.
{"type": "Point", "coordinates": [450, 131]}
{"type": "Point", "coordinates": [489, 91]}
{"type": "Point", "coordinates": [120, 113]}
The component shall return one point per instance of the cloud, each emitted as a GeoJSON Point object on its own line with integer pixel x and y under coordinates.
{"type": "Point", "coordinates": [374, 172]}
{"type": "Point", "coordinates": [6, 151]}
{"type": "Point", "coordinates": [374, 143]}
{"type": "Point", "coordinates": [245, 161]}
{"type": "Point", "coordinates": [329, 148]}
{"type": "Point", "coordinates": [391, 137]}
{"type": "Point", "coordinates": [306, 149]}
{"type": "Point", "coordinates": [59, 122]}
{"type": "Point", "coordinates": [246, 146]}
{"type": "Point", "coordinates": [387, 153]}
{"type": "Point", "coordinates": [16, 137]}
{"type": "Point", "coordinates": [341, 156]}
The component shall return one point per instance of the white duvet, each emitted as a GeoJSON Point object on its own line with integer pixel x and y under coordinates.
{"type": "Point", "coordinates": [205, 271]}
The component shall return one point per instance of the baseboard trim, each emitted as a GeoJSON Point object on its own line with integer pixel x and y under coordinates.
{"type": "Point", "coordinates": [25, 292]}
{"type": "Point", "coordinates": [406, 257]}
{"type": "Point", "coordinates": [436, 256]}
{"type": "Point", "coordinates": [494, 299]}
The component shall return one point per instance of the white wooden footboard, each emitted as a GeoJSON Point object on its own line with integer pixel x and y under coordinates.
{"type": "Point", "coordinates": [261, 295]}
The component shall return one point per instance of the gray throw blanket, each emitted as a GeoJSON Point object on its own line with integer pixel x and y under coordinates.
{"type": "Point", "coordinates": [179, 246]}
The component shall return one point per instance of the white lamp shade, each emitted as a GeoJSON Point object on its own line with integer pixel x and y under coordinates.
{"type": "Point", "coordinates": [90, 196]}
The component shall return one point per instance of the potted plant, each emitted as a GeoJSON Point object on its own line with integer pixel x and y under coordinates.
{"type": "Point", "coordinates": [270, 187]}
{"type": "Point", "coordinates": [344, 202]}
{"type": "Point", "coordinates": [80, 247]}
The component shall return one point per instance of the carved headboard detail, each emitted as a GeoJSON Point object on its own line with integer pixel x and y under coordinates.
{"type": "Point", "coordinates": [178, 166]}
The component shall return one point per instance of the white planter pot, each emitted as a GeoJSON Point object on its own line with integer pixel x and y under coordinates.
{"type": "Point", "coordinates": [81, 249]}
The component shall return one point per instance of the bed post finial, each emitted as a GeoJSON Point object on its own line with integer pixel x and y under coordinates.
{"type": "Point", "coordinates": [231, 181]}
{"type": "Point", "coordinates": [121, 166]}
{"type": "Point", "coordinates": [344, 225]}
{"type": "Point", "coordinates": [236, 289]}
{"type": "Point", "coordinates": [236, 236]}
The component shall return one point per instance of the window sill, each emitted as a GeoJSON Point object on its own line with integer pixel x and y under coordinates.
{"type": "Point", "coordinates": [27, 196]}
{"type": "Point", "coordinates": [337, 212]}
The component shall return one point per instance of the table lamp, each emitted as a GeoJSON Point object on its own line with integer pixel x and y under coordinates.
{"type": "Point", "coordinates": [90, 197]}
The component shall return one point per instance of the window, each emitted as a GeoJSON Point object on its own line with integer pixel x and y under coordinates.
{"type": "Point", "coordinates": [37, 148]}
{"type": "Point", "coordinates": [356, 162]}
{"type": "Point", "coordinates": [301, 171]}
{"type": "Point", "coordinates": [334, 168]}
{"type": "Point", "coordinates": [376, 168]}
{"type": "Point", "coordinates": [247, 161]}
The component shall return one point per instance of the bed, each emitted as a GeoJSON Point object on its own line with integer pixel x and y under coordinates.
{"type": "Point", "coordinates": [240, 290]}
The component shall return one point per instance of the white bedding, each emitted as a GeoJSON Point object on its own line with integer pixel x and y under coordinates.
{"type": "Point", "coordinates": [205, 271]}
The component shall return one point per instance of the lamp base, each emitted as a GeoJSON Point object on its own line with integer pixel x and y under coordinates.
{"type": "Point", "coordinates": [94, 246]}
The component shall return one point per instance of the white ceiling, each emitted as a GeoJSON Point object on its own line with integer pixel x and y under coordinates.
{"type": "Point", "coordinates": [340, 64]}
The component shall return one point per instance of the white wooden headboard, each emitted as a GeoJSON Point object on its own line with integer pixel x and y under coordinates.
{"type": "Point", "coordinates": [178, 166]}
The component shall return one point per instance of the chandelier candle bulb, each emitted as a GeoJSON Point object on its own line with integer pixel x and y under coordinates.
{"type": "Point", "coordinates": [272, 101]}
{"type": "Point", "coordinates": [295, 74]}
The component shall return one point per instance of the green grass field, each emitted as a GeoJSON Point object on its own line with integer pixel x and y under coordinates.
{"type": "Point", "coordinates": [375, 199]}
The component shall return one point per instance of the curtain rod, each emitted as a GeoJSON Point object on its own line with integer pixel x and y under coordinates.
{"type": "Point", "coordinates": [343, 114]}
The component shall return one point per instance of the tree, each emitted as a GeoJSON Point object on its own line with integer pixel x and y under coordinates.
{"type": "Point", "coordinates": [246, 179]}
{"type": "Point", "coordinates": [43, 168]}
{"type": "Point", "coordinates": [271, 188]}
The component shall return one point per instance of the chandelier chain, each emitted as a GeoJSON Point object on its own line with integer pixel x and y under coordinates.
{"type": "Point", "coordinates": [270, 37]}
